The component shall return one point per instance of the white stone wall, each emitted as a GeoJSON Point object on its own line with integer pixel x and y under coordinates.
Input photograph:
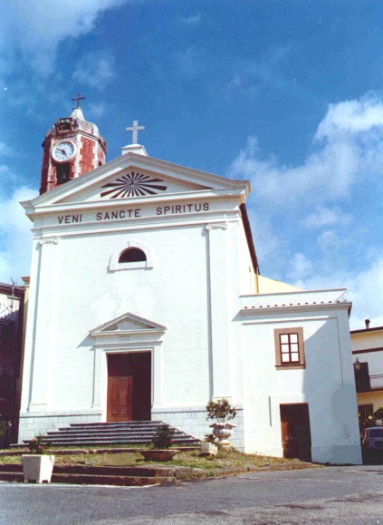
{"type": "Point", "coordinates": [192, 420]}
{"type": "Point", "coordinates": [31, 425]}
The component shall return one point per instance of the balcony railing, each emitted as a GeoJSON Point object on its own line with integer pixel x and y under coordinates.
{"type": "Point", "coordinates": [376, 381]}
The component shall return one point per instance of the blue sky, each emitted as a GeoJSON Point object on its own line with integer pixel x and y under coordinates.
{"type": "Point", "coordinates": [286, 93]}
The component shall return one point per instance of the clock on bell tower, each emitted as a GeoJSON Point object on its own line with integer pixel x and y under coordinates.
{"type": "Point", "coordinates": [72, 147]}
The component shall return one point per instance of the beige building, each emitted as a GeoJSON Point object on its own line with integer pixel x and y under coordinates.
{"type": "Point", "coordinates": [367, 351]}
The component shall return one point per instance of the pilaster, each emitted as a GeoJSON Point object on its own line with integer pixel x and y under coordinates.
{"type": "Point", "coordinates": [42, 342]}
{"type": "Point", "coordinates": [220, 332]}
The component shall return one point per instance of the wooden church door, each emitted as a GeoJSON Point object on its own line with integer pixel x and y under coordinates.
{"type": "Point", "coordinates": [120, 398]}
{"type": "Point", "coordinates": [129, 387]}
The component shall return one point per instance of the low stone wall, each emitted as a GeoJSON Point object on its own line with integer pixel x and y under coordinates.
{"type": "Point", "coordinates": [192, 420]}
{"type": "Point", "coordinates": [37, 423]}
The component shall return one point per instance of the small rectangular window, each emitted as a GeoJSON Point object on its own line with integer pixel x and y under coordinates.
{"type": "Point", "coordinates": [289, 348]}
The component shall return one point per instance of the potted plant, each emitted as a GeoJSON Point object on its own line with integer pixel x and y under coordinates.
{"type": "Point", "coordinates": [378, 414]}
{"type": "Point", "coordinates": [208, 446]}
{"type": "Point", "coordinates": [5, 431]}
{"type": "Point", "coordinates": [37, 465]}
{"type": "Point", "coordinates": [222, 412]}
{"type": "Point", "coordinates": [161, 442]}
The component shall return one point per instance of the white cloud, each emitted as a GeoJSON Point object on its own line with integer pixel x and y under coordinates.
{"type": "Point", "coordinates": [352, 117]}
{"type": "Point", "coordinates": [192, 20]}
{"type": "Point", "coordinates": [323, 216]}
{"type": "Point", "coordinates": [313, 244]}
{"type": "Point", "coordinates": [7, 177]}
{"type": "Point", "coordinates": [251, 76]}
{"type": "Point", "coordinates": [5, 150]}
{"type": "Point", "coordinates": [348, 147]}
{"type": "Point", "coordinates": [96, 111]}
{"type": "Point", "coordinates": [36, 28]}
{"type": "Point", "coordinates": [300, 267]}
{"type": "Point", "coordinates": [191, 62]}
{"type": "Point", "coordinates": [364, 290]}
{"type": "Point", "coordinates": [265, 239]}
{"type": "Point", "coordinates": [16, 237]}
{"type": "Point", "coordinates": [96, 69]}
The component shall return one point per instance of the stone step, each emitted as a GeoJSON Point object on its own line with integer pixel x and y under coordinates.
{"type": "Point", "coordinates": [11, 476]}
{"type": "Point", "coordinates": [119, 424]}
{"type": "Point", "coordinates": [122, 481]}
{"type": "Point", "coordinates": [89, 479]}
{"type": "Point", "coordinates": [111, 439]}
{"type": "Point", "coordinates": [90, 475]}
{"type": "Point", "coordinates": [112, 426]}
{"type": "Point", "coordinates": [116, 433]}
{"type": "Point", "coordinates": [111, 435]}
{"type": "Point", "coordinates": [129, 432]}
{"type": "Point", "coordinates": [110, 470]}
{"type": "Point", "coordinates": [106, 442]}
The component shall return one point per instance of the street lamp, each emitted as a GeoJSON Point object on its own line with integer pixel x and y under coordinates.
{"type": "Point", "coordinates": [357, 364]}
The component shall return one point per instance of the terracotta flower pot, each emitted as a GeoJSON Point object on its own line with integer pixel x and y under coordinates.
{"type": "Point", "coordinates": [159, 454]}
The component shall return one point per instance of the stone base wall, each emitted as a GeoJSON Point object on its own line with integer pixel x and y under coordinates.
{"type": "Point", "coordinates": [31, 425]}
{"type": "Point", "coordinates": [192, 420]}
{"type": "Point", "coordinates": [338, 455]}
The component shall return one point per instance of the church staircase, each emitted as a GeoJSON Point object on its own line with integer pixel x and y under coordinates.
{"type": "Point", "coordinates": [113, 434]}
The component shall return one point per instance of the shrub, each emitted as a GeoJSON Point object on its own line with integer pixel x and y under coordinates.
{"type": "Point", "coordinates": [163, 437]}
{"type": "Point", "coordinates": [5, 429]}
{"type": "Point", "coordinates": [37, 445]}
{"type": "Point", "coordinates": [221, 410]}
{"type": "Point", "coordinates": [378, 414]}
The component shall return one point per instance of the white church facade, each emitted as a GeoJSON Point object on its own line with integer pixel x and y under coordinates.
{"type": "Point", "coordinates": [146, 302]}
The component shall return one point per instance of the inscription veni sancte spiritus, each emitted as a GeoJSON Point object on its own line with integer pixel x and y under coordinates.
{"type": "Point", "coordinates": [135, 213]}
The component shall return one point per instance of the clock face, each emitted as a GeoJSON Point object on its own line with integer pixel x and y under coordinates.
{"type": "Point", "coordinates": [64, 151]}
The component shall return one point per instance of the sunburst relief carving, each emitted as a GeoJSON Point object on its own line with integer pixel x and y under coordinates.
{"type": "Point", "coordinates": [133, 185]}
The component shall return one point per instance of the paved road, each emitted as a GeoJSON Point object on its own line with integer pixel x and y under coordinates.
{"type": "Point", "coordinates": [332, 495]}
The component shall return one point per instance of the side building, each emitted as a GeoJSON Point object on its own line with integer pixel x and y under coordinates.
{"type": "Point", "coordinates": [11, 339]}
{"type": "Point", "coordinates": [367, 351]}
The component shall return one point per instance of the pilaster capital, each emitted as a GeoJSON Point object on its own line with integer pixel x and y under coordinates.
{"type": "Point", "coordinates": [48, 240]}
{"type": "Point", "coordinates": [216, 226]}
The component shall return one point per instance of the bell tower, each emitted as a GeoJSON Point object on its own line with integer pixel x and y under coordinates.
{"type": "Point", "coordinates": [72, 147]}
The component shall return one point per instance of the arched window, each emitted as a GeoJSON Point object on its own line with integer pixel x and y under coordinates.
{"type": "Point", "coordinates": [132, 255]}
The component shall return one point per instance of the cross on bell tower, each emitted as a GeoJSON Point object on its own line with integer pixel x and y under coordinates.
{"type": "Point", "coordinates": [78, 98]}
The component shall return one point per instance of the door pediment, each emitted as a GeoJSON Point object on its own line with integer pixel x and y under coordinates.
{"type": "Point", "coordinates": [127, 324]}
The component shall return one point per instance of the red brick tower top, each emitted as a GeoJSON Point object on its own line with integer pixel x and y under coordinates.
{"type": "Point", "coordinates": [72, 147]}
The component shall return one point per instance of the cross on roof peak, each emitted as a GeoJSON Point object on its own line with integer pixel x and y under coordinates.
{"type": "Point", "coordinates": [134, 129]}
{"type": "Point", "coordinates": [78, 98]}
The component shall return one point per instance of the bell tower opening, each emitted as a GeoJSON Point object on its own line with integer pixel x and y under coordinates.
{"type": "Point", "coordinates": [62, 172]}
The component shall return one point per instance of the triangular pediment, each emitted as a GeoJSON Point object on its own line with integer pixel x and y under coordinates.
{"type": "Point", "coordinates": [127, 323]}
{"type": "Point", "coordinates": [136, 178]}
